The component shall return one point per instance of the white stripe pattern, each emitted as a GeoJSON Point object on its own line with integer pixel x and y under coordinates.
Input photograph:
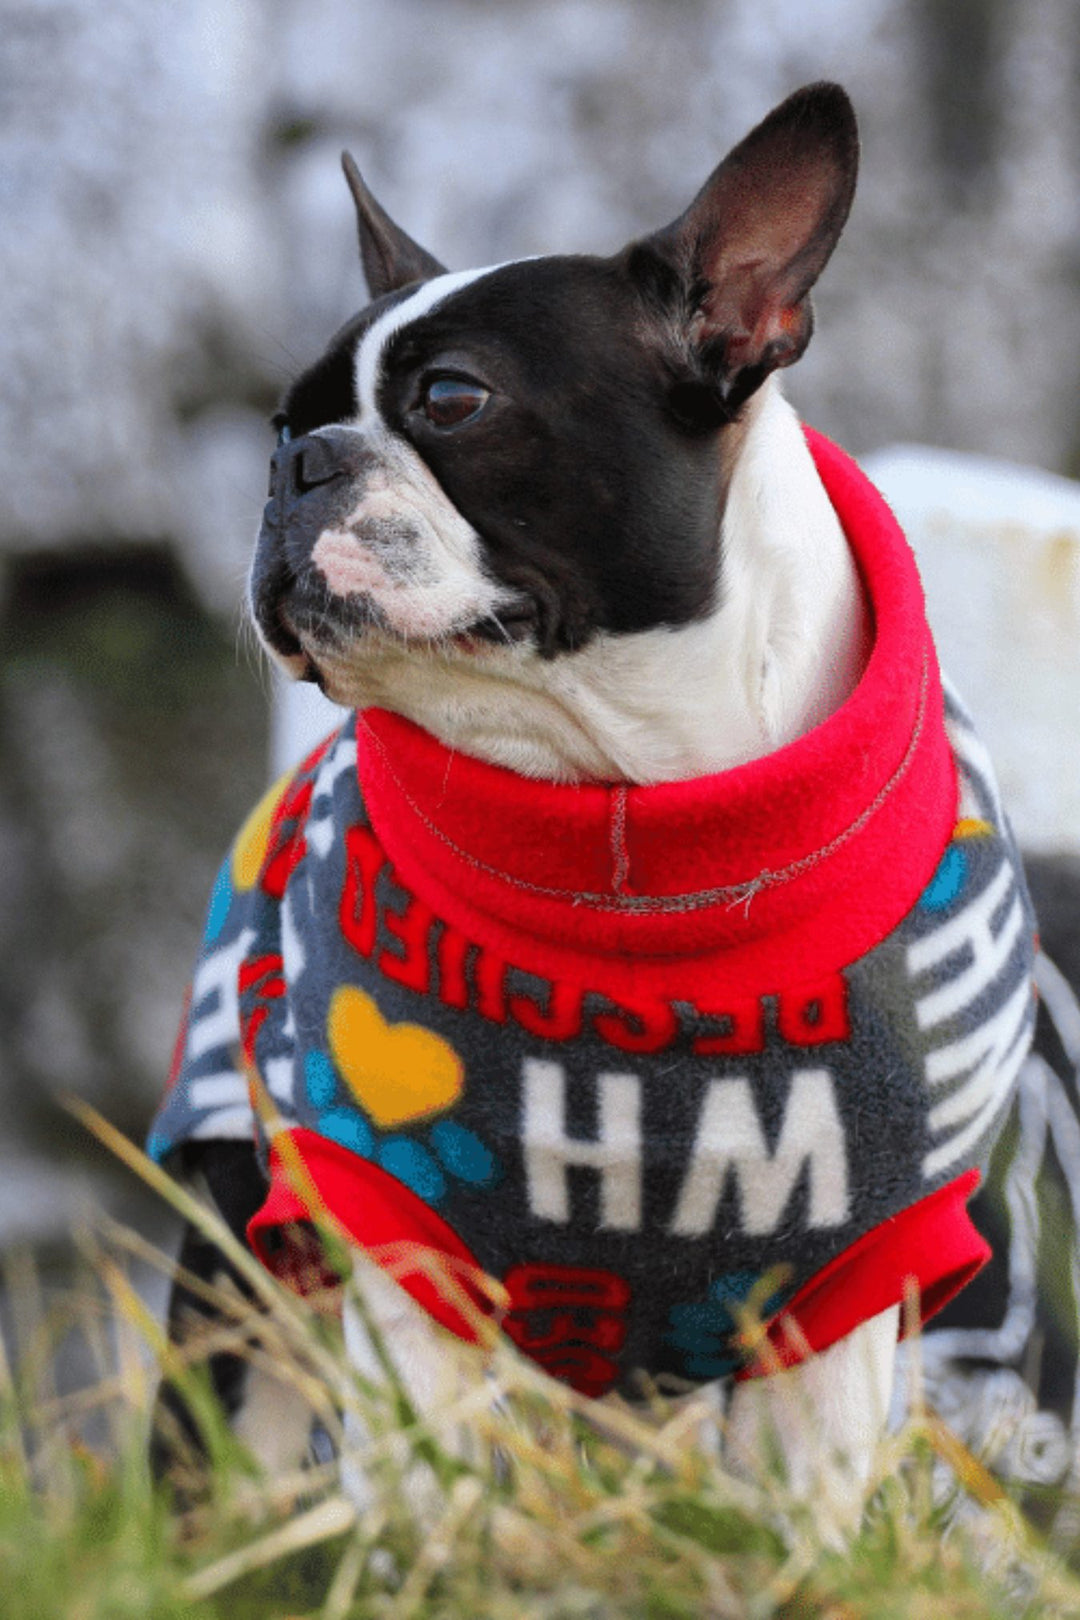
{"type": "Point", "coordinates": [320, 827]}
{"type": "Point", "coordinates": [972, 929]}
{"type": "Point", "coordinates": [215, 984]}
{"type": "Point", "coordinates": [228, 1125]}
{"type": "Point", "coordinates": [972, 754]}
{"type": "Point", "coordinates": [217, 1090]}
{"type": "Point", "coordinates": [979, 942]}
{"type": "Point", "coordinates": [940, 1158]}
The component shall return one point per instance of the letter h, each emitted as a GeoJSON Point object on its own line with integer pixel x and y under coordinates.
{"type": "Point", "coordinates": [615, 1152]}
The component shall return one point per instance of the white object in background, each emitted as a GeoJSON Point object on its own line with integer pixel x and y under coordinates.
{"type": "Point", "coordinates": [300, 719]}
{"type": "Point", "coordinates": [998, 548]}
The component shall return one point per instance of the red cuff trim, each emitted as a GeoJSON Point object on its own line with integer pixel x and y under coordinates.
{"type": "Point", "coordinates": [402, 1233]}
{"type": "Point", "coordinates": [933, 1241]}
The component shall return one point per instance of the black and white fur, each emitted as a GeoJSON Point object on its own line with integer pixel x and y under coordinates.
{"type": "Point", "coordinates": [558, 513]}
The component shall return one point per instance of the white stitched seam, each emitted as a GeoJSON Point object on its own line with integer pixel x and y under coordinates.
{"type": "Point", "coordinates": [619, 853]}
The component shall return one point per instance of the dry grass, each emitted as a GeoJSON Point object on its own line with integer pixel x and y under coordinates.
{"type": "Point", "coordinates": [552, 1516]}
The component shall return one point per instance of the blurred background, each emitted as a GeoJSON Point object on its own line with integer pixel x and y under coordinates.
{"type": "Point", "coordinates": [178, 240]}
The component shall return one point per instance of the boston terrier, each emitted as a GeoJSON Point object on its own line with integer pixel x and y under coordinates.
{"type": "Point", "coordinates": [605, 952]}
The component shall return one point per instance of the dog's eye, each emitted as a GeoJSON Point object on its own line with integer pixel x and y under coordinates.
{"type": "Point", "coordinates": [284, 432]}
{"type": "Point", "coordinates": [449, 401]}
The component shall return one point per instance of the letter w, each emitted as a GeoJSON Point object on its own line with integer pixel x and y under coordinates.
{"type": "Point", "coordinates": [615, 1152]}
{"type": "Point", "coordinates": [730, 1138]}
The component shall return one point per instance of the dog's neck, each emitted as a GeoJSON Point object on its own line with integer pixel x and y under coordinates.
{"type": "Point", "coordinates": [781, 651]}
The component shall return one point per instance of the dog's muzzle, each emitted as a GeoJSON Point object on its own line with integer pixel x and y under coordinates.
{"type": "Point", "coordinates": [315, 482]}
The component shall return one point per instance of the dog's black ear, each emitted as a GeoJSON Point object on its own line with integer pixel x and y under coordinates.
{"type": "Point", "coordinates": [391, 259]}
{"type": "Point", "coordinates": [738, 265]}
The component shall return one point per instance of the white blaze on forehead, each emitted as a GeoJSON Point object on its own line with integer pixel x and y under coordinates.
{"type": "Point", "coordinates": [405, 545]}
{"type": "Point", "coordinates": [421, 302]}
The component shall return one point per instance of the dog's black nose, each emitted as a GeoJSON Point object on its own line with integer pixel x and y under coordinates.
{"type": "Point", "coordinates": [320, 458]}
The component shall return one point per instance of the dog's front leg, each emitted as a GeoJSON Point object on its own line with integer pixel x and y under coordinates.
{"type": "Point", "coordinates": [267, 1414]}
{"type": "Point", "coordinates": [435, 1372]}
{"type": "Point", "coordinates": [821, 1421]}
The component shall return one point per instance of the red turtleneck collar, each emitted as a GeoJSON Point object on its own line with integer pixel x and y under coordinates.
{"type": "Point", "coordinates": [797, 863]}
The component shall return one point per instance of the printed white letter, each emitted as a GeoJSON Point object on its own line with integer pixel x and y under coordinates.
{"type": "Point", "coordinates": [615, 1153]}
{"type": "Point", "coordinates": [730, 1138]}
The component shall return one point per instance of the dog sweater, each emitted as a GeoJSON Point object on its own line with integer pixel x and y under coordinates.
{"type": "Point", "coordinates": [642, 1055]}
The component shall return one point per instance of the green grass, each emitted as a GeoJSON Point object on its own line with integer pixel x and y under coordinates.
{"type": "Point", "coordinates": [552, 1517]}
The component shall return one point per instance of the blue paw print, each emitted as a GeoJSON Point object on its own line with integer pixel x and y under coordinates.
{"type": "Point", "coordinates": [220, 901]}
{"type": "Point", "coordinates": [451, 1150]}
{"type": "Point", "coordinates": [947, 881]}
{"type": "Point", "coordinates": [701, 1329]}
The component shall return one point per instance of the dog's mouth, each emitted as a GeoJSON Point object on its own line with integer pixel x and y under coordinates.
{"type": "Point", "coordinates": [310, 635]}
{"type": "Point", "coordinates": [509, 627]}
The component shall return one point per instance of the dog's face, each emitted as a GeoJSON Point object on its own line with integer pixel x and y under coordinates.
{"type": "Point", "coordinates": [501, 464]}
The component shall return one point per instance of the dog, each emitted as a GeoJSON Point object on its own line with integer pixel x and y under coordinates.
{"type": "Point", "coordinates": [668, 954]}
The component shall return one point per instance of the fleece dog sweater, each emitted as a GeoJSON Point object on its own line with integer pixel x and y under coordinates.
{"type": "Point", "coordinates": [639, 1054]}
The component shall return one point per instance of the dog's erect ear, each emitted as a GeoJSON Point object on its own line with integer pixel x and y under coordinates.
{"type": "Point", "coordinates": [755, 239]}
{"type": "Point", "coordinates": [391, 258]}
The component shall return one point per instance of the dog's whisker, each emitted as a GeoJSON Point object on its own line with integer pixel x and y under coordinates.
{"type": "Point", "coordinates": [249, 651]}
{"type": "Point", "coordinates": [503, 631]}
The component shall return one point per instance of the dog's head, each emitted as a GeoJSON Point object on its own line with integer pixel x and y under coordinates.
{"type": "Point", "coordinates": [503, 463]}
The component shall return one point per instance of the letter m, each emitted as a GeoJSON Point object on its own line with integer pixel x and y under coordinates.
{"type": "Point", "coordinates": [731, 1141]}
